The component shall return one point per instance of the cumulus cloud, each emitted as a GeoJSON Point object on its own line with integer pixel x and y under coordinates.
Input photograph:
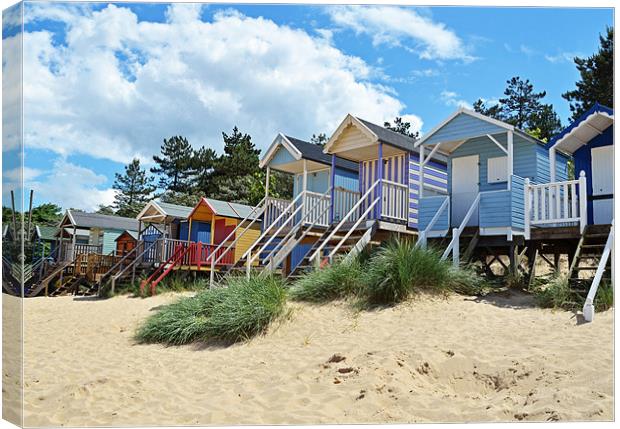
{"type": "Point", "coordinates": [115, 87]}
{"type": "Point", "coordinates": [403, 27]}
{"type": "Point", "coordinates": [69, 185]}
{"type": "Point", "coordinates": [451, 98]}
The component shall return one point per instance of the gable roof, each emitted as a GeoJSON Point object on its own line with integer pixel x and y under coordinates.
{"type": "Point", "coordinates": [583, 129]}
{"type": "Point", "coordinates": [391, 137]}
{"type": "Point", "coordinates": [301, 149]}
{"type": "Point", "coordinates": [166, 210]}
{"type": "Point", "coordinates": [132, 234]}
{"type": "Point", "coordinates": [226, 209]}
{"type": "Point", "coordinates": [45, 232]}
{"type": "Point", "coordinates": [95, 220]}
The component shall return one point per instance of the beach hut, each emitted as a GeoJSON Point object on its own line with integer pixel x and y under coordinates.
{"type": "Point", "coordinates": [126, 242]}
{"type": "Point", "coordinates": [82, 232]}
{"type": "Point", "coordinates": [169, 219]}
{"type": "Point", "coordinates": [589, 140]}
{"type": "Point", "coordinates": [44, 240]}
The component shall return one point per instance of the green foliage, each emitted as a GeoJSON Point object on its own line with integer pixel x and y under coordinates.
{"type": "Point", "coordinates": [596, 82]}
{"type": "Point", "coordinates": [319, 139]}
{"type": "Point", "coordinates": [604, 298]}
{"type": "Point", "coordinates": [557, 294]}
{"type": "Point", "coordinates": [134, 190]}
{"type": "Point", "coordinates": [523, 108]}
{"type": "Point", "coordinates": [175, 166]}
{"type": "Point", "coordinates": [238, 311]}
{"type": "Point", "coordinates": [402, 127]}
{"type": "Point", "coordinates": [336, 281]}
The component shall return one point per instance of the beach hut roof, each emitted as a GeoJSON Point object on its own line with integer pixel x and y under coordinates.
{"type": "Point", "coordinates": [95, 220]}
{"type": "Point", "coordinates": [590, 124]}
{"type": "Point", "coordinates": [47, 233]}
{"type": "Point", "coordinates": [301, 149]}
{"type": "Point", "coordinates": [132, 234]}
{"type": "Point", "coordinates": [225, 209]}
{"type": "Point", "coordinates": [158, 211]}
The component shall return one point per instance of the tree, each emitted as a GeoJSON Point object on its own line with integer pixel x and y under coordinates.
{"type": "Point", "coordinates": [597, 78]}
{"type": "Point", "coordinates": [544, 123]}
{"type": "Point", "coordinates": [204, 163]}
{"type": "Point", "coordinates": [492, 111]}
{"type": "Point", "coordinates": [46, 214]}
{"type": "Point", "coordinates": [105, 210]}
{"type": "Point", "coordinates": [319, 139]}
{"type": "Point", "coordinates": [175, 165]}
{"type": "Point", "coordinates": [134, 189]}
{"type": "Point", "coordinates": [402, 127]}
{"type": "Point", "coordinates": [520, 102]}
{"type": "Point", "coordinates": [240, 157]}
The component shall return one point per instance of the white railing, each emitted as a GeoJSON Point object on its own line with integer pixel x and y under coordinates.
{"type": "Point", "coordinates": [275, 208]}
{"type": "Point", "coordinates": [556, 203]}
{"type": "Point", "coordinates": [395, 201]}
{"type": "Point", "coordinates": [314, 208]}
{"type": "Point", "coordinates": [344, 200]}
{"type": "Point", "coordinates": [422, 240]}
{"type": "Point", "coordinates": [286, 216]}
{"type": "Point", "coordinates": [291, 238]}
{"type": "Point", "coordinates": [454, 245]}
{"type": "Point", "coordinates": [588, 306]}
{"type": "Point", "coordinates": [316, 256]}
{"type": "Point", "coordinates": [218, 256]}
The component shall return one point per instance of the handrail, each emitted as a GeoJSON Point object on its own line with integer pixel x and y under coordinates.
{"type": "Point", "coordinates": [355, 225]}
{"type": "Point", "coordinates": [250, 260]}
{"type": "Point", "coordinates": [274, 223]}
{"type": "Point", "coordinates": [299, 224]}
{"type": "Point", "coordinates": [456, 233]}
{"type": "Point", "coordinates": [588, 306]}
{"type": "Point", "coordinates": [424, 235]}
{"type": "Point", "coordinates": [215, 260]}
{"type": "Point", "coordinates": [120, 273]}
{"type": "Point", "coordinates": [342, 222]}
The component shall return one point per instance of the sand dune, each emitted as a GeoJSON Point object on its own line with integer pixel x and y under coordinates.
{"type": "Point", "coordinates": [430, 360]}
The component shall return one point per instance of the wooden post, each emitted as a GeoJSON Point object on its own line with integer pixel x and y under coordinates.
{"type": "Point", "coordinates": [510, 156]}
{"type": "Point", "coordinates": [512, 254]}
{"type": "Point", "coordinates": [527, 215]}
{"type": "Point", "coordinates": [421, 175]}
{"type": "Point", "coordinates": [583, 202]}
{"type": "Point", "coordinates": [189, 231]}
{"type": "Point", "coordinates": [552, 165]}
{"type": "Point", "coordinates": [267, 181]}
{"type": "Point", "coordinates": [379, 208]}
{"type": "Point", "coordinates": [304, 189]}
{"type": "Point", "coordinates": [333, 181]}
{"type": "Point", "coordinates": [74, 242]}
{"type": "Point", "coordinates": [556, 262]}
{"type": "Point", "coordinates": [456, 248]}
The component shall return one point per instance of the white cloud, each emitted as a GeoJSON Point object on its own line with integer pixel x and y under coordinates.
{"type": "Point", "coordinates": [415, 121]}
{"type": "Point", "coordinates": [562, 57]}
{"type": "Point", "coordinates": [451, 98]}
{"type": "Point", "coordinates": [119, 86]}
{"type": "Point", "coordinates": [69, 185]}
{"type": "Point", "coordinates": [404, 27]}
{"type": "Point", "coordinates": [527, 50]}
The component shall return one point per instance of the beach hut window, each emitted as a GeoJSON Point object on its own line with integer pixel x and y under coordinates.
{"type": "Point", "coordinates": [497, 170]}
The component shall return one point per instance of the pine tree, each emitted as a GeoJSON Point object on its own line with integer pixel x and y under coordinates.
{"type": "Point", "coordinates": [492, 111]}
{"type": "Point", "coordinates": [319, 139]}
{"type": "Point", "coordinates": [597, 78]}
{"type": "Point", "coordinates": [204, 163]}
{"type": "Point", "coordinates": [175, 165]}
{"type": "Point", "coordinates": [402, 127]}
{"type": "Point", "coordinates": [134, 189]}
{"type": "Point", "coordinates": [520, 102]}
{"type": "Point", "coordinates": [544, 123]}
{"type": "Point", "coordinates": [240, 157]}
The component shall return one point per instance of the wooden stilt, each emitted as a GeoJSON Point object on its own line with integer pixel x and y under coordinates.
{"type": "Point", "coordinates": [533, 255]}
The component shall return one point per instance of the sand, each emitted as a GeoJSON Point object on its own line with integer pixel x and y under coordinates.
{"type": "Point", "coordinates": [430, 360]}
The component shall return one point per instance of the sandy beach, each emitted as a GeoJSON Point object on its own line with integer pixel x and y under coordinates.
{"type": "Point", "coordinates": [429, 360]}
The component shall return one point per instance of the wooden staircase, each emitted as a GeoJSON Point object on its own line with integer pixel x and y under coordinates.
{"type": "Point", "coordinates": [587, 259]}
{"type": "Point", "coordinates": [357, 240]}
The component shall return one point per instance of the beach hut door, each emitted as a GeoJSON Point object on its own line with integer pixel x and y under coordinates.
{"type": "Point", "coordinates": [465, 187]}
{"type": "Point", "coordinates": [602, 184]}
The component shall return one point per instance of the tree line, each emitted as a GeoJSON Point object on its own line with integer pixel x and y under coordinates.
{"type": "Point", "coordinates": [182, 174]}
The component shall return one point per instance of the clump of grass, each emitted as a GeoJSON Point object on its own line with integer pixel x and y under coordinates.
{"type": "Point", "coordinates": [400, 268]}
{"type": "Point", "coordinates": [339, 280]}
{"type": "Point", "coordinates": [557, 294]}
{"type": "Point", "coordinates": [604, 298]}
{"type": "Point", "coordinates": [467, 281]}
{"type": "Point", "coordinates": [240, 310]}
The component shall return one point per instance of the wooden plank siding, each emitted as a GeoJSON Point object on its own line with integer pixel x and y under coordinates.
{"type": "Point", "coordinates": [463, 127]}
{"type": "Point", "coordinates": [246, 240]}
{"type": "Point", "coordinates": [435, 182]}
{"type": "Point", "coordinates": [428, 210]}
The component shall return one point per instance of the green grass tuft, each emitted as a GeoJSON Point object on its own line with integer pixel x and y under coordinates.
{"type": "Point", "coordinates": [604, 298]}
{"type": "Point", "coordinates": [336, 281]}
{"type": "Point", "coordinates": [239, 311]}
{"type": "Point", "coordinates": [557, 294]}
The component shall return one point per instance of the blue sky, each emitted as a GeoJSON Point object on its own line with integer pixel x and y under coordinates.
{"type": "Point", "coordinates": [104, 83]}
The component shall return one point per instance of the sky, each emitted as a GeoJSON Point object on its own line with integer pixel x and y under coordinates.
{"type": "Point", "coordinates": [104, 83]}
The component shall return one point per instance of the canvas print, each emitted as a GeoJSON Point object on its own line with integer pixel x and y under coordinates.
{"type": "Point", "coordinates": [230, 214]}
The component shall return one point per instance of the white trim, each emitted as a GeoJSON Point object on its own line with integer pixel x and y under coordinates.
{"type": "Point", "coordinates": [558, 144]}
{"type": "Point", "coordinates": [466, 112]}
{"type": "Point", "coordinates": [495, 230]}
{"type": "Point", "coordinates": [150, 204]}
{"type": "Point", "coordinates": [430, 155]}
{"type": "Point", "coordinates": [552, 164]}
{"type": "Point", "coordinates": [349, 120]}
{"type": "Point", "coordinates": [280, 140]}
{"type": "Point", "coordinates": [510, 148]}
{"type": "Point", "coordinates": [497, 143]}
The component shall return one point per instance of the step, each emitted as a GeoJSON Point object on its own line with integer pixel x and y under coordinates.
{"type": "Point", "coordinates": [587, 268]}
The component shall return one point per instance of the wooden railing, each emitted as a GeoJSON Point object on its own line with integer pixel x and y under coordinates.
{"type": "Point", "coordinates": [93, 265]}
{"type": "Point", "coordinates": [344, 200]}
{"type": "Point", "coordinates": [395, 202]}
{"type": "Point", "coordinates": [556, 203]}
{"type": "Point", "coordinates": [315, 208]}
{"type": "Point", "coordinates": [454, 245]}
{"type": "Point", "coordinates": [274, 210]}
{"type": "Point", "coordinates": [422, 240]}
{"type": "Point", "coordinates": [71, 251]}
{"type": "Point", "coordinates": [588, 306]}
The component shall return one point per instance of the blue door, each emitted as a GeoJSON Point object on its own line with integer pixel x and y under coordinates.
{"type": "Point", "coordinates": [201, 232]}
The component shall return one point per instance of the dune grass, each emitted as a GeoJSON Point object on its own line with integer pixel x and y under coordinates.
{"type": "Point", "coordinates": [336, 281]}
{"type": "Point", "coordinates": [393, 273]}
{"type": "Point", "coordinates": [241, 310]}
{"type": "Point", "coordinates": [557, 293]}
